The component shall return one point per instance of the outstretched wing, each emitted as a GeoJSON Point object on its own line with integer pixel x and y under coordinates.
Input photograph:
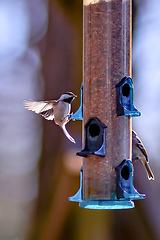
{"type": "Point", "coordinates": [44, 108]}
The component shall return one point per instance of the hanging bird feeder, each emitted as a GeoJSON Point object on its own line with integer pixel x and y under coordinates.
{"type": "Point", "coordinates": [107, 173]}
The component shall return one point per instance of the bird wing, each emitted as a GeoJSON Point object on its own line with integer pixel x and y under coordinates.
{"type": "Point", "coordinates": [44, 108]}
{"type": "Point", "coordinates": [141, 147]}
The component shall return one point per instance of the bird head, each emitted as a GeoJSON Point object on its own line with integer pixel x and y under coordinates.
{"type": "Point", "coordinates": [67, 97]}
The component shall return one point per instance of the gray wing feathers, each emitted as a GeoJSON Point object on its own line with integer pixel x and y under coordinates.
{"type": "Point", "coordinates": [44, 108]}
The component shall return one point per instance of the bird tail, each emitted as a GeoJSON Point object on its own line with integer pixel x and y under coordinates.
{"type": "Point", "coordinates": [149, 171]}
{"type": "Point", "coordinates": [67, 134]}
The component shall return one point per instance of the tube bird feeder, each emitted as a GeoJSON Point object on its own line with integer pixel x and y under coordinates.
{"type": "Point", "coordinates": [107, 172]}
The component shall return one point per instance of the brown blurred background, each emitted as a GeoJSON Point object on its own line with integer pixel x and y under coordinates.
{"type": "Point", "coordinates": [41, 58]}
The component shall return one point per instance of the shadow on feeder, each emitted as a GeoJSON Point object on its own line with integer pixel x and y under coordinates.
{"type": "Point", "coordinates": [94, 138]}
{"type": "Point", "coordinates": [125, 98]}
{"type": "Point", "coordinates": [124, 182]}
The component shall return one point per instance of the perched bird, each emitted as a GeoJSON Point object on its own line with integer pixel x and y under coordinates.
{"type": "Point", "coordinates": [59, 110]}
{"type": "Point", "coordinates": [139, 150]}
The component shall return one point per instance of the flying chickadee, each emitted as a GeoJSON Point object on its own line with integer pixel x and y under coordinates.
{"type": "Point", "coordinates": [59, 110]}
{"type": "Point", "coordinates": [139, 150]}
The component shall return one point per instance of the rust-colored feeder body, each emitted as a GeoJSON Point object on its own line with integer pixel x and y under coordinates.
{"type": "Point", "coordinates": [107, 176]}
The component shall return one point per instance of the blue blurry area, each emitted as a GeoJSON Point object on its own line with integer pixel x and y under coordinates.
{"type": "Point", "coordinates": [22, 25]}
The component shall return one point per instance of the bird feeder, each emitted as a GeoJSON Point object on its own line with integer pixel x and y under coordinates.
{"type": "Point", "coordinates": [107, 172]}
{"type": "Point", "coordinates": [95, 138]}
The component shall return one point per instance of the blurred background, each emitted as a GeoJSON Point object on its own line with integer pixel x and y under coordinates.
{"type": "Point", "coordinates": [40, 58]}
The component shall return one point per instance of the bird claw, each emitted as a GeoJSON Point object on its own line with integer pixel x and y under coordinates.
{"type": "Point", "coordinates": [66, 118]}
{"type": "Point", "coordinates": [71, 115]}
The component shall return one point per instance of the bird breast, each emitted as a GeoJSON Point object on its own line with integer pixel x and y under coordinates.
{"type": "Point", "coordinates": [61, 111]}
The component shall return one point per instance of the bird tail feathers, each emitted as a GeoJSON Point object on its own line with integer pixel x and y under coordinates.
{"type": "Point", "coordinates": [149, 171]}
{"type": "Point", "coordinates": [67, 134]}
